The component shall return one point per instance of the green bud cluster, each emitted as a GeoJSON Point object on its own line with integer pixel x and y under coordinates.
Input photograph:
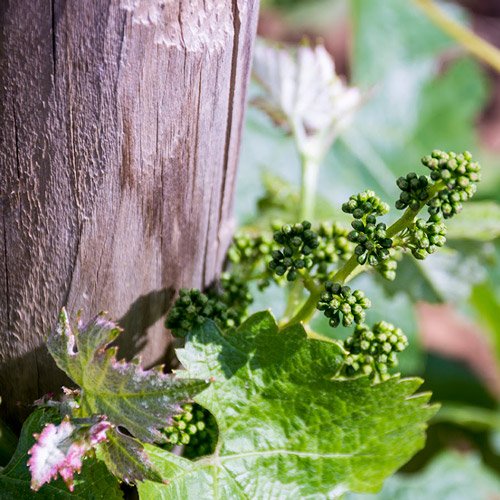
{"type": "Point", "coordinates": [338, 300]}
{"type": "Point", "coordinates": [387, 268]}
{"type": "Point", "coordinates": [372, 352]}
{"type": "Point", "coordinates": [193, 308]}
{"type": "Point", "coordinates": [235, 292]}
{"type": "Point", "coordinates": [184, 425]}
{"type": "Point", "coordinates": [298, 243]}
{"type": "Point", "coordinates": [204, 441]}
{"type": "Point", "coordinates": [365, 203]}
{"type": "Point", "coordinates": [414, 191]}
{"type": "Point", "coordinates": [195, 429]}
{"type": "Point", "coordinates": [249, 250]}
{"type": "Point", "coordinates": [424, 238]}
{"type": "Point", "coordinates": [333, 246]}
{"type": "Point", "coordinates": [447, 203]}
{"type": "Point", "coordinates": [227, 307]}
{"type": "Point", "coordinates": [458, 173]}
{"type": "Point", "coordinates": [372, 242]}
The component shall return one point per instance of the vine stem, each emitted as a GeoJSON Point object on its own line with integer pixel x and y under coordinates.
{"type": "Point", "coordinates": [465, 37]}
{"type": "Point", "coordinates": [310, 169]}
{"type": "Point", "coordinates": [309, 307]}
{"type": "Point", "coordinates": [309, 180]}
{"type": "Point", "coordinates": [342, 274]}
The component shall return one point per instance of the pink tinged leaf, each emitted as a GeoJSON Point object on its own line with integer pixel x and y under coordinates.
{"type": "Point", "coordinates": [98, 432]}
{"type": "Point", "coordinates": [60, 450]}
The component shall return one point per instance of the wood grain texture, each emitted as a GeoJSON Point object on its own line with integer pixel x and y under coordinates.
{"type": "Point", "coordinates": [121, 123]}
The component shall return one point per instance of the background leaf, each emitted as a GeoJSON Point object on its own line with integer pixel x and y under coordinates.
{"type": "Point", "coordinates": [478, 221]}
{"type": "Point", "coordinates": [451, 476]}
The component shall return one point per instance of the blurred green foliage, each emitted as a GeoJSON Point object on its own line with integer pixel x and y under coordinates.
{"type": "Point", "coordinates": [451, 476]}
{"type": "Point", "coordinates": [421, 92]}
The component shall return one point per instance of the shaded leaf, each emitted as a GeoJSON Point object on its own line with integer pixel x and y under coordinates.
{"type": "Point", "coordinates": [285, 424]}
{"type": "Point", "coordinates": [8, 441]}
{"type": "Point", "coordinates": [126, 458]}
{"type": "Point", "coordinates": [474, 417]}
{"type": "Point", "coordinates": [486, 305]}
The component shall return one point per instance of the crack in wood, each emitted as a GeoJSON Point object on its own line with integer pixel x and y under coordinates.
{"type": "Point", "coordinates": [229, 129]}
{"type": "Point", "coordinates": [54, 38]}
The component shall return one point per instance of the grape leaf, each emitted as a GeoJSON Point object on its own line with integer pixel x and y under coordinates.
{"type": "Point", "coordinates": [8, 442]}
{"type": "Point", "coordinates": [93, 483]}
{"type": "Point", "coordinates": [126, 458]}
{"type": "Point", "coordinates": [286, 426]}
{"type": "Point", "coordinates": [140, 401]}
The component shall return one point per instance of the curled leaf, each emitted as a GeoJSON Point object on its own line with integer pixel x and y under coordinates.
{"type": "Point", "coordinates": [141, 401]}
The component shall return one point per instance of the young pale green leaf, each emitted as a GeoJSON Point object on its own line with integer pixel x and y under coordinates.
{"type": "Point", "coordinates": [140, 401]}
{"type": "Point", "coordinates": [302, 92]}
{"type": "Point", "coordinates": [287, 427]}
{"type": "Point", "coordinates": [93, 483]}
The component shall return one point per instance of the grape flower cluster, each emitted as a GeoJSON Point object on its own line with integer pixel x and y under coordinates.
{"type": "Point", "coordinates": [249, 250]}
{"type": "Point", "coordinates": [414, 191]}
{"type": "Point", "coordinates": [297, 244]}
{"type": "Point", "coordinates": [227, 308]}
{"type": "Point", "coordinates": [424, 238]}
{"type": "Point", "coordinates": [371, 352]}
{"type": "Point", "coordinates": [454, 175]}
{"type": "Point", "coordinates": [365, 203]}
{"type": "Point", "coordinates": [333, 247]}
{"type": "Point", "coordinates": [324, 258]}
{"type": "Point", "coordinates": [340, 304]}
{"type": "Point", "coordinates": [372, 243]}
{"type": "Point", "coordinates": [459, 174]}
{"type": "Point", "coordinates": [195, 429]}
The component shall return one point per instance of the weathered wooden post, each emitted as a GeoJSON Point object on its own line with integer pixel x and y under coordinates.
{"type": "Point", "coordinates": [120, 128]}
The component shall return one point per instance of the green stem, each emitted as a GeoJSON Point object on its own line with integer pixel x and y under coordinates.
{"type": "Point", "coordinates": [310, 169]}
{"type": "Point", "coordinates": [307, 310]}
{"type": "Point", "coordinates": [469, 40]}
{"type": "Point", "coordinates": [309, 307]}
{"type": "Point", "coordinates": [309, 179]}
{"type": "Point", "coordinates": [402, 223]}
